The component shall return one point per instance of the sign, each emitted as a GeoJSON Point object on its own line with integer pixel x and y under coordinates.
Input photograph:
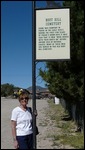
{"type": "Point", "coordinates": [52, 34]}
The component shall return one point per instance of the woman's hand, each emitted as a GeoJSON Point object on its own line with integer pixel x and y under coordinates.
{"type": "Point", "coordinates": [16, 144]}
{"type": "Point", "coordinates": [35, 112]}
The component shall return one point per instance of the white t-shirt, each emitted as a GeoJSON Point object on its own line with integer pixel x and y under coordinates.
{"type": "Point", "coordinates": [23, 121]}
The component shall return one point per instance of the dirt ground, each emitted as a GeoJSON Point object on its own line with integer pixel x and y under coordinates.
{"type": "Point", "coordinates": [42, 141]}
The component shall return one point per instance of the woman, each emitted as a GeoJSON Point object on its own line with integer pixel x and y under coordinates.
{"type": "Point", "coordinates": [21, 123]}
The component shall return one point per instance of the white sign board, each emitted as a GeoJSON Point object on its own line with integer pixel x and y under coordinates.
{"type": "Point", "coordinates": [52, 34]}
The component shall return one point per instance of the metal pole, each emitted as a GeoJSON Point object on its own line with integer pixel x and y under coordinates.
{"type": "Point", "coordinates": [33, 75]}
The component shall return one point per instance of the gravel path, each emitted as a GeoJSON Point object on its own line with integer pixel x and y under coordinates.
{"type": "Point", "coordinates": [45, 125]}
{"type": "Point", "coordinates": [6, 137]}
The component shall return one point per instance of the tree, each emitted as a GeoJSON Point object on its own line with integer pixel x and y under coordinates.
{"type": "Point", "coordinates": [65, 79]}
{"type": "Point", "coordinates": [53, 4]}
{"type": "Point", "coordinates": [7, 89]}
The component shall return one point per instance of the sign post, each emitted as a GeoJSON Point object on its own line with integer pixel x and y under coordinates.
{"type": "Point", "coordinates": [33, 76]}
{"type": "Point", "coordinates": [51, 42]}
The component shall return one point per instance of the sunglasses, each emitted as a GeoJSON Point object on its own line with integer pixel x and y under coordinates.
{"type": "Point", "coordinates": [22, 98]}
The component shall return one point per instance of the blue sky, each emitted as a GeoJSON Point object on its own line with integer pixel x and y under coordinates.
{"type": "Point", "coordinates": [16, 44]}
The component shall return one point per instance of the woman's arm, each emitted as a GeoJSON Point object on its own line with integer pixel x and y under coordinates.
{"type": "Point", "coordinates": [13, 126]}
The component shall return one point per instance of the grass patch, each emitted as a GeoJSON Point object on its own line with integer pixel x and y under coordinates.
{"type": "Point", "coordinates": [67, 134]}
{"type": "Point", "coordinates": [77, 141]}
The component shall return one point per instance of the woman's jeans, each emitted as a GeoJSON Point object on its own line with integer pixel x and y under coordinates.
{"type": "Point", "coordinates": [25, 142]}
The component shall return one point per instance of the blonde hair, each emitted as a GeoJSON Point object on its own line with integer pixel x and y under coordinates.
{"type": "Point", "coordinates": [23, 92]}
